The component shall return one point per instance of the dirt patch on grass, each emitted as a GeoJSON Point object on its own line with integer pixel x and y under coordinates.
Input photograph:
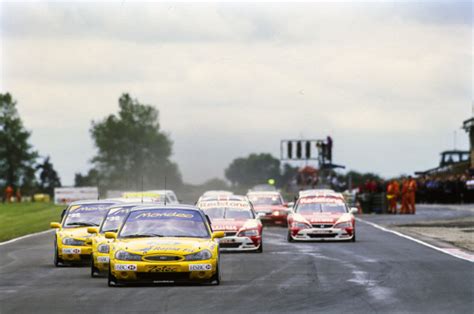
{"type": "Point", "coordinates": [458, 232]}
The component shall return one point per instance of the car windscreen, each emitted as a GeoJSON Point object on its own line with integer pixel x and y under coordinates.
{"type": "Point", "coordinates": [228, 213]}
{"type": "Point", "coordinates": [85, 215]}
{"type": "Point", "coordinates": [164, 223]}
{"type": "Point", "coordinates": [230, 209]}
{"type": "Point", "coordinates": [114, 219]}
{"type": "Point", "coordinates": [265, 200]}
{"type": "Point", "coordinates": [311, 208]}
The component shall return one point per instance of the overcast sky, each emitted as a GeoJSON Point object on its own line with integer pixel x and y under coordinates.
{"type": "Point", "coordinates": [390, 82]}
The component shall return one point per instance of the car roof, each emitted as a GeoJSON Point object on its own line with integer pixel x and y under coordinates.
{"type": "Point", "coordinates": [161, 191]}
{"type": "Point", "coordinates": [223, 198]}
{"type": "Point", "coordinates": [219, 192]}
{"type": "Point", "coordinates": [263, 193]}
{"type": "Point", "coordinates": [136, 199]}
{"type": "Point", "coordinates": [323, 194]}
{"type": "Point", "coordinates": [87, 202]}
{"type": "Point", "coordinates": [132, 204]}
{"type": "Point", "coordinates": [162, 206]}
{"type": "Point", "coordinates": [315, 192]}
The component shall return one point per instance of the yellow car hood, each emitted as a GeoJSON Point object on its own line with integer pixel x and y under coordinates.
{"type": "Point", "coordinates": [77, 233]}
{"type": "Point", "coordinates": [172, 246]}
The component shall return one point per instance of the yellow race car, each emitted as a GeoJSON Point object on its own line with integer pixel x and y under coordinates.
{"type": "Point", "coordinates": [100, 245]}
{"type": "Point", "coordinates": [71, 243]}
{"type": "Point", "coordinates": [164, 244]}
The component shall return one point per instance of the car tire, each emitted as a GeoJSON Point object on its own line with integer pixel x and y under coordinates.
{"type": "Point", "coordinates": [216, 279]}
{"type": "Point", "coordinates": [289, 238]}
{"type": "Point", "coordinates": [353, 237]}
{"type": "Point", "coordinates": [94, 271]}
{"type": "Point", "coordinates": [111, 280]}
{"type": "Point", "coordinates": [260, 248]}
{"type": "Point", "coordinates": [57, 260]}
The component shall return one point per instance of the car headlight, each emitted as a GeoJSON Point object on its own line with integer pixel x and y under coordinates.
{"type": "Point", "coordinates": [300, 225]}
{"type": "Point", "coordinates": [71, 241]}
{"type": "Point", "coordinates": [103, 248]}
{"type": "Point", "coordinates": [201, 255]}
{"type": "Point", "coordinates": [276, 213]}
{"type": "Point", "coordinates": [343, 225]}
{"type": "Point", "coordinates": [126, 256]}
{"type": "Point", "coordinates": [248, 233]}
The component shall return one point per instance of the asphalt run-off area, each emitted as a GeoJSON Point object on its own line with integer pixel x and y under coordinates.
{"type": "Point", "coordinates": [380, 273]}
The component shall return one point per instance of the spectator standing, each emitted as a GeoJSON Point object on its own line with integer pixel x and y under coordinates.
{"type": "Point", "coordinates": [411, 187]}
{"type": "Point", "coordinates": [393, 189]}
{"type": "Point", "coordinates": [404, 200]}
{"type": "Point", "coordinates": [8, 194]}
{"type": "Point", "coordinates": [18, 195]}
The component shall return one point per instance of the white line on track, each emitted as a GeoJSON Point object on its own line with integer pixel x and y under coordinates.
{"type": "Point", "coordinates": [453, 252]}
{"type": "Point", "coordinates": [25, 237]}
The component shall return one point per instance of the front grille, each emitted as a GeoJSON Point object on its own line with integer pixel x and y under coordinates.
{"type": "Point", "coordinates": [162, 258]}
{"type": "Point", "coordinates": [163, 276]}
{"type": "Point", "coordinates": [229, 245]}
{"type": "Point", "coordinates": [322, 226]}
{"type": "Point", "coordinates": [323, 235]}
{"type": "Point", "coordinates": [230, 233]}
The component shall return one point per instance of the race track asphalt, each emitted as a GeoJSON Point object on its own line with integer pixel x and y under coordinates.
{"type": "Point", "coordinates": [380, 273]}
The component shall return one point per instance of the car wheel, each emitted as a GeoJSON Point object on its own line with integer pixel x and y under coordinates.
{"type": "Point", "coordinates": [353, 237]}
{"type": "Point", "coordinates": [111, 280]}
{"type": "Point", "coordinates": [216, 279]}
{"type": "Point", "coordinates": [289, 238]}
{"type": "Point", "coordinates": [260, 248]}
{"type": "Point", "coordinates": [57, 260]}
{"type": "Point", "coordinates": [94, 271]}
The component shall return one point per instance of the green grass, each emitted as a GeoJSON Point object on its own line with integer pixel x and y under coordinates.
{"type": "Point", "coordinates": [24, 218]}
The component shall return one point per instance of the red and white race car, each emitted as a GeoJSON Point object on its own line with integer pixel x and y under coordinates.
{"type": "Point", "coordinates": [269, 206]}
{"type": "Point", "coordinates": [322, 216]}
{"type": "Point", "coordinates": [236, 217]}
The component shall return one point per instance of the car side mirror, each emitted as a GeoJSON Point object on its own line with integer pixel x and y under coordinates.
{"type": "Point", "coordinates": [55, 225]}
{"type": "Point", "coordinates": [218, 234]}
{"type": "Point", "coordinates": [354, 210]}
{"type": "Point", "coordinates": [111, 235]}
{"type": "Point", "coordinates": [93, 230]}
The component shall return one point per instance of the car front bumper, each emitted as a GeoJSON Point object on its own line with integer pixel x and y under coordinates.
{"type": "Point", "coordinates": [141, 271]}
{"type": "Point", "coordinates": [73, 254]}
{"type": "Point", "coordinates": [236, 243]}
{"type": "Point", "coordinates": [327, 234]}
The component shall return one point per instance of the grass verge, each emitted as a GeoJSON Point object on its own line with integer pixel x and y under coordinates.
{"type": "Point", "coordinates": [18, 219]}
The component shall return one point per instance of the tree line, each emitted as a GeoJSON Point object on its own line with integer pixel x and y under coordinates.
{"type": "Point", "coordinates": [21, 166]}
{"type": "Point", "coordinates": [132, 153]}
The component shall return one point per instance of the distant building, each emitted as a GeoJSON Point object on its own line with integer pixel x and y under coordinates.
{"type": "Point", "coordinates": [468, 127]}
{"type": "Point", "coordinates": [455, 161]}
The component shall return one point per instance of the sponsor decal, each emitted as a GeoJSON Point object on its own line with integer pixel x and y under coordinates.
{"type": "Point", "coordinates": [200, 267]}
{"type": "Point", "coordinates": [226, 204]}
{"type": "Point", "coordinates": [224, 227]}
{"type": "Point", "coordinates": [87, 208]}
{"type": "Point", "coordinates": [166, 214]}
{"type": "Point", "coordinates": [162, 269]}
{"type": "Point", "coordinates": [165, 249]}
{"type": "Point", "coordinates": [126, 267]}
{"type": "Point", "coordinates": [103, 259]}
{"type": "Point", "coordinates": [226, 240]}
{"type": "Point", "coordinates": [71, 251]}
